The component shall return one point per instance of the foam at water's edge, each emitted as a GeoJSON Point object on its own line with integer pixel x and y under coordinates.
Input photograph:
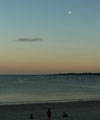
{"type": "Point", "coordinates": [49, 101]}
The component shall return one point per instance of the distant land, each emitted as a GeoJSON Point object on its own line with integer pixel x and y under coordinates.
{"type": "Point", "coordinates": [76, 74]}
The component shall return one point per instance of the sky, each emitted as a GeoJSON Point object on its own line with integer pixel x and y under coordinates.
{"type": "Point", "coordinates": [41, 37]}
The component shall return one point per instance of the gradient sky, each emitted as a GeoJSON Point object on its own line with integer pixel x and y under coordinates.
{"type": "Point", "coordinates": [67, 42]}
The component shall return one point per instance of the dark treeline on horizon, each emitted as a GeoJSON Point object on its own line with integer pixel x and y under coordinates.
{"type": "Point", "coordinates": [76, 74]}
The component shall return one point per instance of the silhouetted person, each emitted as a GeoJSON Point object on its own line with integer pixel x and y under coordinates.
{"type": "Point", "coordinates": [65, 115]}
{"type": "Point", "coordinates": [49, 114]}
{"type": "Point", "coordinates": [31, 116]}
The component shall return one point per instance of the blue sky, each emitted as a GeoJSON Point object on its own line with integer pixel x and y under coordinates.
{"type": "Point", "coordinates": [69, 42]}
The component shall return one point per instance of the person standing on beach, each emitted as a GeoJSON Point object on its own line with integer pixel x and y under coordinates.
{"type": "Point", "coordinates": [49, 114]}
{"type": "Point", "coordinates": [31, 116]}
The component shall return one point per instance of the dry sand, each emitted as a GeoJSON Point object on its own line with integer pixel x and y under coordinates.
{"type": "Point", "coordinates": [86, 110]}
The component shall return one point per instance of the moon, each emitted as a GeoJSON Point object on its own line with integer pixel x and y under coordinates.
{"type": "Point", "coordinates": [69, 12]}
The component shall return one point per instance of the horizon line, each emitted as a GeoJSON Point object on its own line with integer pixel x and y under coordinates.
{"type": "Point", "coordinates": [69, 73]}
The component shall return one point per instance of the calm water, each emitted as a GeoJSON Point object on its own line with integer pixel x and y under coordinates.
{"type": "Point", "coordinates": [31, 89]}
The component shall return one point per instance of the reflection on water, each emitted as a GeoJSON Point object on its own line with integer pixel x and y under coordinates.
{"type": "Point", "coordinates": [48, 88]}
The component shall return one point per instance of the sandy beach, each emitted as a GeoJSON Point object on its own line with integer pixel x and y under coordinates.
{"type": "Point", "coordinates": [83, 110]}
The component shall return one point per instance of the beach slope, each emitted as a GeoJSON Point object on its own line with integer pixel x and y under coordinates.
{"type": "Point", "coordinates": [82, 110]}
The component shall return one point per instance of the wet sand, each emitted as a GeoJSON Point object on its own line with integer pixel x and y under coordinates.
{"type": "Point", "coordinates": [83, 110]}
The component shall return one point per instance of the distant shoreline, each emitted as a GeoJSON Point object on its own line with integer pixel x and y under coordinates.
{"type": "Point", "coordinates": [76, 74]}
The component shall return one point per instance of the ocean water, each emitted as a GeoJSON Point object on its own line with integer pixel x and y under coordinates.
{"type": "Point", "coordinates": [48, 88]}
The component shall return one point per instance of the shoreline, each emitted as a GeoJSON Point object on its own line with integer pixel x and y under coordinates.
{"type": "Point", "coordinates": [54, 102]}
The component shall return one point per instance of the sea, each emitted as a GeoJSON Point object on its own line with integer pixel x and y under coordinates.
{"type": "Point", "coordinates": [23, 89]}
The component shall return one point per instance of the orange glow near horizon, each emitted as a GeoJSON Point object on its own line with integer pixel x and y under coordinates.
{"type": "Point", "coordinates": [47, 66]}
